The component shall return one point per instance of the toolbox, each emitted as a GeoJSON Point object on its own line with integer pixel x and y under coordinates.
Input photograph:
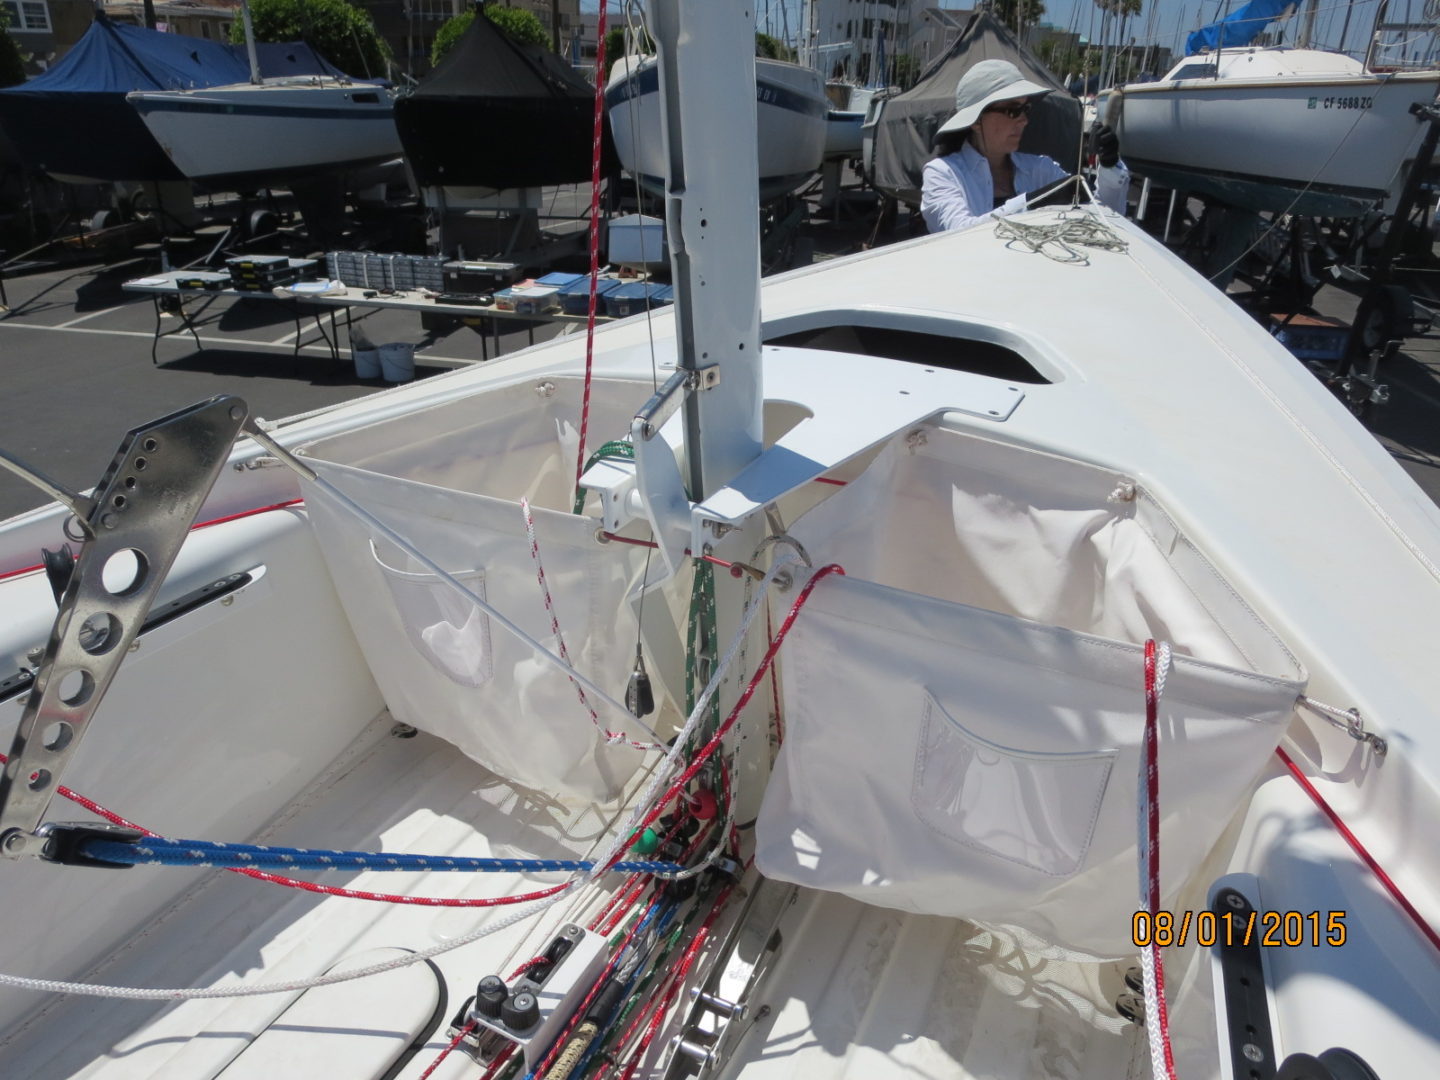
{"type": "Point", "coordinates": [478, 277]}
{"type": "Point", "coordinates": [261, 273]}
{"type": "Point", "coordinates": [202, 279]}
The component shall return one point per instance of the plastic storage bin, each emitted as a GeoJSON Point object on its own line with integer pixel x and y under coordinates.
{"type": "Point", "coordinates": [575, 299]}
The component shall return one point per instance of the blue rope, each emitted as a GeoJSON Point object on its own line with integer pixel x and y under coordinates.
{"type": "Point", "coordinates": [212, 853]}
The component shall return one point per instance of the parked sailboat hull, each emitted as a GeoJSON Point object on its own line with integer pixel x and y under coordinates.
{"type": "Point", "coordinates": [791, 110]}
{"type": "Point", "coordinates": [1301, 141]}
{"type": "Point", "coordinates": [249, 135]}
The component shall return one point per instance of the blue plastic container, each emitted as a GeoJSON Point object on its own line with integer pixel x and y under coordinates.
{"type": "Point", "coordinates": [575, 298]}
{"type": "Point", "coordinates": [632, 298]}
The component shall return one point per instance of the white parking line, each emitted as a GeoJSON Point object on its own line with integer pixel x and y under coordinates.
{"type": "Point", "coordinates": [82, 318]}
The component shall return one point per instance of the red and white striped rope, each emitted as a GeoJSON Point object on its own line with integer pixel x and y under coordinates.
{"type": "Point", "coordinates": [1152, 967]}
{"type": "Point", "coordinates": [611, 737]}
{"type": "Point", "coordinates": [597, 142]}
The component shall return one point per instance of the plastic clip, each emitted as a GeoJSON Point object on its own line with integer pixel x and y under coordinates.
{"type": "Point", "coordinates": [65, 842]}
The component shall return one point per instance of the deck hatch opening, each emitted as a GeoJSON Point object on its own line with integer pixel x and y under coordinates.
{"type": "Point", "coordinates": [946, 351]}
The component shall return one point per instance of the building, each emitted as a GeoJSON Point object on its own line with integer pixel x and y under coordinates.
{"type": "Point", "coordinates": [933, 30]}
{"type": "Point", "coordinates": [845, 39]}
{"type": "Point", "coordinates": [208, 19]}
{"type": "Point", "coordinates": [45, 29]}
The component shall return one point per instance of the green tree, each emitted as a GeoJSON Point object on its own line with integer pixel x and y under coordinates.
{"type": "Point", "coordinates": [522, 25]}
{"type": "Point", "coordinates": [1019, 14]}
{"type": "Point", "coordinates": [339, 31]}
{"type": "Point", "coordinates": [615, 46]}
{"type": "Point", "coordinates": [12, 61]}
{"type": "Point", "coordinates": [769, 47]}
{"type": "Point", "coordinates": [905, 71]}
{"type": "Point", "coordinates": [772, 48]}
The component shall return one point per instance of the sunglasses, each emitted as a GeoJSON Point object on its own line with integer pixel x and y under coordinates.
{"type": "Point", "coordinates": [1015, 110]}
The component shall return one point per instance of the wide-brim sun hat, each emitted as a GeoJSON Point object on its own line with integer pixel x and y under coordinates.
{"type": "Point", "coordinates": [983, 85]}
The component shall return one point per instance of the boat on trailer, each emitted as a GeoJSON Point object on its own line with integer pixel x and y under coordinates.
{"type": "Point", "coordinates": [1028, 628]}
{"type": "Point", "coordinates": [1284, 129]}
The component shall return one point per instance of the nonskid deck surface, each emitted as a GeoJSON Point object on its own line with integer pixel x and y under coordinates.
{"type": "Point", "coordinates": [855, 991]}
{"type": "Point", "coordinates": [861, 992]}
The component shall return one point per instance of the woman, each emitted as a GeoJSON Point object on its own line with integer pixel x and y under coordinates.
{"type": "Point", "coordinates": [987, 177]}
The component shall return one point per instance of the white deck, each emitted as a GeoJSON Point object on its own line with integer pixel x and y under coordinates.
{"type": "Point", "coordinates": [1290, 498]}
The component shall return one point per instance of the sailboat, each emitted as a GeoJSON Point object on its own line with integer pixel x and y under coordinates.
{"type": "Point", "coordinates": [1277, 128]}
{"type": "Point", "coordinates": [942, 674]}
{"type": "Point", "coordinates": [272, 131]}
{"type": "Point", "coordinates": [791, 128]}
{"type": "Point", "coordinates": [73, 121]}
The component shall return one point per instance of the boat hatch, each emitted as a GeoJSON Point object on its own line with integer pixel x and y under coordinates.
{"type": "Point", "coordinates": [1195, 71]}
{"type": "Point", "coordinates": [935, 343]}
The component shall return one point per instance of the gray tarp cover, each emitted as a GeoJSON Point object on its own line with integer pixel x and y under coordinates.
{"type": "Point", "coordinates": [907, 124]}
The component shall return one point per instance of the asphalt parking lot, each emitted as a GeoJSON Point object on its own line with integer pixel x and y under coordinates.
{"type": "Point", "coordinates": [75, 352]}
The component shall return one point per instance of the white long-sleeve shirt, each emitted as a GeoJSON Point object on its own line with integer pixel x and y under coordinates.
{"type": "Point", "coordinates": [958, 191]}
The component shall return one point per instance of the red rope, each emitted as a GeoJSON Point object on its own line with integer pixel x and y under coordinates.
{"type": "Point", "coordinates": [585, 1003]}
{"type": "Point", "coordinates": [676, 982]}
{"type": "Point", "coordinates": [526, 966]}
{"type": "Point", "coordinates": [466, 1030]}
{"type": "Point", "coordinates": [1359, 849]}
{"type": "Point", "coordinates": [594, 235]}
{"type": "Point", "coordinates": [1152, 829]}
{"type": "Point", "coordinates": [199, 525]}
{"type": "Point", "coordinates": [709, 749]}
{"type": "Point", "coordinates": [774, 684]}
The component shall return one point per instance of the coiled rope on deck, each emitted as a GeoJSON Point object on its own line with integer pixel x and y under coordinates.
{"type": "Point", "coordinates": [1061, 240]}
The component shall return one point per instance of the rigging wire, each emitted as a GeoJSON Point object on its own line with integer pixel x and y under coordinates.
{"type": "Point", "coordinates": [640, 819]}
{"type": "Point", "coordinates": [1276, 219]}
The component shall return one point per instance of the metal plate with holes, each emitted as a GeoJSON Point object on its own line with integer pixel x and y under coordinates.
{"type": "Point", "coordinates": [143, 509]}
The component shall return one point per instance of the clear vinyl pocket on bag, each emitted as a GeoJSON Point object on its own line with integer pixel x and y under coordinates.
{"type": "Point", "coordinates": [444, 627]}
{"type": "Point", "coordinates": [1034, 809]}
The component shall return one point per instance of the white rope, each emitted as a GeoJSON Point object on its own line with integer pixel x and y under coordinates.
{"type": "Point", "coordinates": [702, 703]}
{"type": "Point", "coordinates": [1078, 228]}
{"type": "Point", "coordinates": [661, 774]}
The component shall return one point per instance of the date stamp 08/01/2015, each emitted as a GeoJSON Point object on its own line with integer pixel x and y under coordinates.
{"type": "Point", "coordinates": [1265, 928]}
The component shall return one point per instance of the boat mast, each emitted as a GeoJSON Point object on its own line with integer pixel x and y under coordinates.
{"type": "Point", "coordinates": [250, 43]}
{"type": "Point", "coordinates": [1307, 28]}
{"type": "Point", "coordinates": [712, 212]}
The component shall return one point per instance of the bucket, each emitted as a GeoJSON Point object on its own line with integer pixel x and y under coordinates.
{"type": "Point", "coordinates": [397, 361]}
{"type": "Point", "coordinates": [367, 361]}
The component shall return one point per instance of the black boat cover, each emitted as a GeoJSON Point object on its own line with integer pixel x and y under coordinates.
{"type": "Point", "coordinates": [499, 114]}
{"type": "Point", "coordinates": [906, 130]}
{"type": "Point", "coordinates": [73, 119]}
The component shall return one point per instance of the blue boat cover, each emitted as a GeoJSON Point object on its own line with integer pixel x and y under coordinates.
{"type": "Point", "coordinates": [117, 58]}
{"type": "Point", "coordinates": [1239, 28]}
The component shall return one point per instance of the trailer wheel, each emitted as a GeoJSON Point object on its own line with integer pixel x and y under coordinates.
{"type": "Point", "coordinates": [1386, 313]}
